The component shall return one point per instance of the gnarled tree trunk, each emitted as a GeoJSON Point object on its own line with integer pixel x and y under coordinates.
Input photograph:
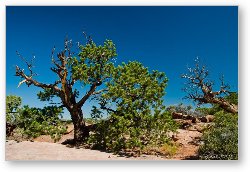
{"type": "Point", "coordinates": [229, 107]}
{"type": "Point", "coordinates": [200, 89]}
{"type": "Point", "coordinates": [81, 131]}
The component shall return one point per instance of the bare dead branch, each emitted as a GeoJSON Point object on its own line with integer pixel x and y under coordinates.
{"type": "Point", "coordinates": [29, 80]}
{"type": "Point", "coordinates": [200, 89]}
{"type": "Point", "coordinates": [29, 65]}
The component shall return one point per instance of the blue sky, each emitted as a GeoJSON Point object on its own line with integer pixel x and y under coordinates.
{"type": "Point", "coordinates": [162, 38]}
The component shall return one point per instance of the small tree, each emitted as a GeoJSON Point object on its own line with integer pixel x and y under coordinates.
{"type": "Point", "coordinates": [136, 116]}
{"type": "Point", "coordinates": [34, 122]}
{"type": "Point", "coordinates": [200, 89]}
{"type": "Point", "coordinates": [91, 68]}
{"type": "Point", "coordinates": [13, 104]}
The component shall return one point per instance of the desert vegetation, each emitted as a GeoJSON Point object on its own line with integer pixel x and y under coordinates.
{"type": "Point", "coordinates": [31, 122]}
{"type": "Point", "coordinates": [130, 114]}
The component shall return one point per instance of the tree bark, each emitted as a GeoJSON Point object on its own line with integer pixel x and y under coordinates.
{"type": "Point", "coordinates": [231, 108]}
{"type": "Point", "coordinates": [81, 131]}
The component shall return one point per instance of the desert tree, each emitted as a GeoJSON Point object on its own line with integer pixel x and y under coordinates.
{"type": "Point", "coordinates": [91, 67]}
{"type": "Point", "coordinates": [133, 102]}
{"type": "Point", "coordinates": [200, 88]}
{"type": "Point", "coordinates": [13, 104]}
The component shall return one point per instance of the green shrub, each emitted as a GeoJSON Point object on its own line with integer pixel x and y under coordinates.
{"type": "Point", "coordinates": [33, 122]}
{"type": "Point", "coordinates": [119, 133]}
{"type": "Point", "coordinates": [36, 121]}
{"type": "Point", "coordinates": [221, 140]}
{"type": "Point", "coordinates": [185, 110]}
{"type": "Point", "coordinates": [13, 105]}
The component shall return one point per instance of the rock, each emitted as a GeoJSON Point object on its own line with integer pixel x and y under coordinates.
{"type": "Point", "coordinates": [189, 117]}
{"type": "Point", "coordinates": [207, 118]}
{"type": "Point", "coordinates": [174, 138]}
{"type": "Point", "coordinates": [195, 120]}
{"type": "Point", "coordinates": [203, 119]}
{"type": "Point", "coordinates": [184, 116]}
{"type": "Point", "coordinates": [187, 124]}
{"type": "Point", "coordinates": [199, 129]}
{"type": "Point", "coordinates": [210, 118]}
{"type": "Point", "coordinates": [176, 115]}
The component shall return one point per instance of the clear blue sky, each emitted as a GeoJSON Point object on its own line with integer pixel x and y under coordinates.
{"type": "Point", "coordinates": [163, 38]}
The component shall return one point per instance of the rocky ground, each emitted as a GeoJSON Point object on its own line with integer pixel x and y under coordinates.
{"type": "Point", "coordinates": [44, 148]}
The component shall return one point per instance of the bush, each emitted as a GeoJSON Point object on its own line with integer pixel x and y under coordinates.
{"type": "Point", "coordinates": [221, 140]}
{"type": "Point", "coordinates": [36, 121]}
{"type": "Point", "coordinates": [13, 104]}
{"type": "Point", "coordinates": [185, 110]}
{"type": "Point", "coordinates": [119, 133]}
{"type": "Point", "coordinates": [33, 122]}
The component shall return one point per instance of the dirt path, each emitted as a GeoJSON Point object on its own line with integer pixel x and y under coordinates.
{"type": "Point", "coordinates": [189, 144]}
{"type": "Point", "coordinates": [27, 150]}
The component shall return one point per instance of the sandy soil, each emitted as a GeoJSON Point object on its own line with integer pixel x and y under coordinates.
{"type": "Point", "coordinates": [27, 150]}
{"type": "Point", "coordinates": [44, 148]}
{"type": "Point", "coordinates": [189, 144]}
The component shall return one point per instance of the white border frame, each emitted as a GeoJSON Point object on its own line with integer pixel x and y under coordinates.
{"type": "Point", "coordinates": [244, 57]}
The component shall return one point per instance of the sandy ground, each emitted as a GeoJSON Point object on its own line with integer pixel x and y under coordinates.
{"type": "Point", "coordinates": [27, 150]}
{"type": "Point", "coordinates": [188, 141]}
{"type": "Point", "coordinates": [44, 148]}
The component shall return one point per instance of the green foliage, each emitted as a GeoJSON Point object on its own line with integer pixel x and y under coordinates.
{"type": "Point", "coordinates": [209, 110]}
{"type": "Point", "coordinates": [221, 140]}
{"type": "Point", "coordinates": [47, 94]}
{"type": "Point", "coordinates": [186, 110]}
{"type": "Point", "coordinates": [136, 116]}
{"type": "Point", "coordinates": [33, 122]}
{"type": "Point", "coordinates": [169, 149]}
{"type": "Point", "coordinates": [95, 63]}
{"type": "Point", "coordinates": [123, 132]}
{"type": "Point", "coordinates": [36, 121]}
{"type": "Point", "coordinates": [13, 104]}
{"type": "Point", "coordinates": [232, 98]}
{"type": "Point", "coordinates": [180, 108]}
